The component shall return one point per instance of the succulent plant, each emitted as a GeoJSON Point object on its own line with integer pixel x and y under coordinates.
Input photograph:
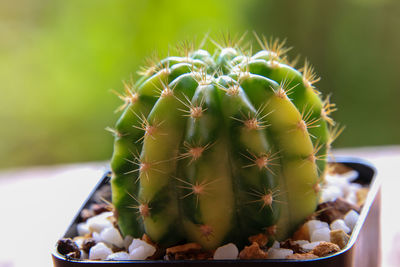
{"type": "Point", "coordinates": [215, 148]}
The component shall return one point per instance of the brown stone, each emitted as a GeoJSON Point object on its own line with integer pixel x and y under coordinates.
{"type": "Point", "coordinates": [324, 249]}
{"type": "Point", "coordinates": [361, 195]}
{"type": "Point", "coordinates": [253, 252]}
{"type": "Point", "coordinates": [291, 244]}
{"type": "Point", "coordinates": [189, 251]}
{"type": "Point", "coordinates": [69, 248]}
{"type": "Point", "coordinates": [302, 256]}
{"type": "Point", "coordinates": [333, 210]}
{"type": "Point", "coordinates": [340, 238]}
{"type": "Point", "coordinates": [261, 239]}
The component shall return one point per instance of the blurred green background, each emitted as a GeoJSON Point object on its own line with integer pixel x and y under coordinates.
{"type": "Point", "coordinates": [59, 60]}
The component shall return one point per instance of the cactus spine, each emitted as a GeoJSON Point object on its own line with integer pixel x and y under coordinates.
{"type": "Point", "coordinates": [213, 149]}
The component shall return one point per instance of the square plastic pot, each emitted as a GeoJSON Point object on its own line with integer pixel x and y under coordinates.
{"type": "Point", "coordinates": [363, 248]}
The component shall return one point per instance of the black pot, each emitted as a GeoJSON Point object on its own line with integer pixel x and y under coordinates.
{"type": "Point", "coordinates": [363, 248]}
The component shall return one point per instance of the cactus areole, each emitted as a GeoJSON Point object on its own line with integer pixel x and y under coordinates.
{"type": "Point", "coordinates": [214, 149]}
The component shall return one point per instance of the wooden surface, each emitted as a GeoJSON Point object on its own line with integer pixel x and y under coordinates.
{"type": "Point", "coordinates": [38, 203]}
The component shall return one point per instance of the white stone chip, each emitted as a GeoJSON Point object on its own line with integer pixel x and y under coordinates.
{"type": "Point", "coordinates": [118, 256]}
{"type": "Point", "coordinates": [97, 237]}
{"type": "Point", "coordinates": [112, 236]}
{"type": "Point", "coordinates": [226, 252]}
{"type": "Point", "coordinates": [140, 250]}
{"type": "Point", "coordinates": [84, 255]}
{"type": "Point", "coordinates": [310, 246]}
{"type": "Point", "coordinates": [276, 244]}
{"type": "Point", "coordinates": [351, 219]}
{"type": "Point", "coordinates": [99, 252]}
{"type": "Point", "coordinates": [331, 193]}
{"type": "Point", "coordinates": [321, 234]}
{"type": "Point", "coordinates": [99, 222]}
{"type": "Point", "coordinates": [82, 229]}
{"type": "Point", "coordinates": [279, 253]}
{"type": "Point", "coordinates": [316, 224]}
{"type": "Point", "coordinates": [339, 224]}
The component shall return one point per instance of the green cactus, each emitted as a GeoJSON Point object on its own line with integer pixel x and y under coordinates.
{"type": "Point", "coordinates": [214, 149]}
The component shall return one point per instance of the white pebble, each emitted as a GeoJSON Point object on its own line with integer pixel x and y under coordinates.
{"type": "Point", "coordinates": [112, 236]}
{"type": "Point", "coordinates": [226, 252]}
{"type": "Point", "coordinates": [351, 219]}
{"type": "Point", "coordinates": [97, 237]}
{"type": "Point", "coordinates": [331, 193]}
{"type": "Point", "coordinates": [279, 253]}
{"type": "Point", "coordinates": [84, 255]}
{"type": "Point", "coordinates": [118, 256]}
{"type": "Point", "coordinates": [315, 224]}
{"type": "Point", "coordinates": [82, 229]}
{"type": "Point", "coordinates": [140, 250]}
{"type": "Point", "coordinates": [340, 225]}
{"type": "Point", "coordinates": [276, 244]}
{"type": "Point", "coordinates": [99, 222]}
{"type": "Point", "coordinates": [322, 234]}
{"type": "Point", "coordinates": [99, 252]}
{"type": "Point", "coordinates": [310, 246]}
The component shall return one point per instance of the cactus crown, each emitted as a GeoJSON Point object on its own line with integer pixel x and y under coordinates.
{"type": "Point", "coordinates": [216, 148]}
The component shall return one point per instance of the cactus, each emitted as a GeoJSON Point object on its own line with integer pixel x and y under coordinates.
{"type": "Point", "coordinates": [214, 149]}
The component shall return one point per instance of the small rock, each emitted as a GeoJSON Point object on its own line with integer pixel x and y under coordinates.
{"type": "Point", "coordinates": [99, 252]}
{"type": "Point", "coordinates": [351, 219]}
{"type": "Point", "coordinates": [330, 211]}
{"type": "Point", "coordinates": [331, 192]}
{"type": "Point", "coordinates": [276, 244]}
{"type": "Point", "coordinates": [293, 245]}
{"type": "Point", "coordinates": [118, 256]}
{"type": "Point", "coordinates": [97, 237]}
{"type": "Point", "coordinates": [140, 250]}
{"type": "Point", "coordinates": [279, 253]}
{"type": "Point", "coordinates": [99, 222]}
{"type": "Point", "coordinates": [226, 252]}
{"type": "Point", "coordinates": [253, 252]}
{"type": "Point", "coordinates": [339, 224]}
{"type": "Point", "coordinates": [324, 249]}
{"type": "Point", "coordinates": [322, 234]}
{"type": "Point", "coordinates": [310, 246]}
{"type": "Point", "coordinates": [302, 256]}
{"type": "Point", "coordinates": [314, 225]}
{"type": "Point", "coordinates": [261, 239]}
{"type": "Point", "coordinates": [362, 194]}
{"type": "Point", "coordinates": [69, 248]}
{"type": "Point", "coordinates": [112, 236]}
{"type": "Point", "coordinates": [184, 248]}
{"type": "Point", "coordinates": [340, 238]}
{"type": "Point", "coordinates": [82, 229]}
{"type": "Point", "coordinates": [189, 251]}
